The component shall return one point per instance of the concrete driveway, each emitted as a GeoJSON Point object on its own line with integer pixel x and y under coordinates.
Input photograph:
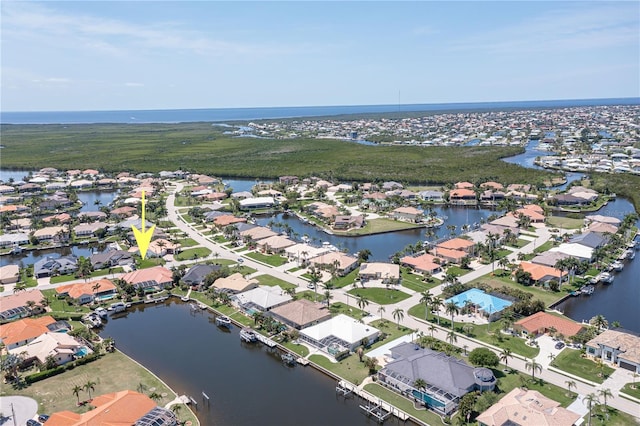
{"type": "Point", "coordinates": [22, 407]}
{"type": "Point", "coordinates": [547, 347]}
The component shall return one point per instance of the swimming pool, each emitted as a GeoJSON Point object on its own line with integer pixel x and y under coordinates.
{"type": "Point", "coordinates": [432, 402]}
{"type": "Point", "coordinates": [484, 301]}
{"type": "Point", "coordinates": [105, 297]}
{"type": "Point", "coordinates": [83, 351]}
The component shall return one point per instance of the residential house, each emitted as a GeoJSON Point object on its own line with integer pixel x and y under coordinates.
{"type": "Point", "coordinates": [541, 274]}
{"type": "Point", "coordinates": [235, 283]}
{"type": "Point", "coordinates": [492, 185]}
{"type": "Point", "coordinates": [526, 407]}
{"type": "Point", "coordinates": [338, 334]}
{"type": "Point", "coordinates": [161, 247]}
{"type": "Point", "coordinates": [89, 229]}
{"type": "Point", "coordinates": [463, 185]}
{"type": "Point", "coordinates": [256, 233]}
{"type": "Point", "coordinates": [57, 218]}
{"type": "Point", "coordinates": [461, 244]}
{"type": "Point", "coordinates": [323, 210]}
{"type": "Point", "coordinates": [617, 346]}
{"type": "Point", "coordinates": [150, 279]}
{"type": "Point", "coordinates": [16, 305]}
{"type": "Point", "coordinates": [589, 239]}
{"type": "Point", "coordinates": [343, 263]}
{"type": "Point", "coordinates": [119, 408]}
{"type": "Point", "coordinates": [300, 313]}
{"type": "Point", "coordinates": [449, 255]}
{"type": "Point", "coordinates": [388, 273]}
{"type": "Point", "coordinates": [60, 346]}
{"type": "Point", "coordinates": [488, 305]}
{"type": "Point", "coordinates": [576, 250]}
{"type": "Point", "coordinates": [257, 203]}
{"type": "Point", "coordinates": [343, 222]}
{"type": "Point", "coordinates": [391, 185]}
{"type": "Point", "coordinates": [425, 263]}
{"type": "Point", "coordinates": [50, 233]}
{"type": "Point", "coordinates": [447, 378]}
{"type": "Point", "coordinates": [302, 252]}
{"type": "Point", "coordinates": [262, 299]}
{"type": "Point", "coordinates": [123, 212]}
{"type": "Point", "coordinates": [86, 292]}
{"type": "Point", "coordinates": [195, 276]}
{"type": "Point", "coordinates": [111, 259]}
{"type": "Point", "coordinates": [549, 258]}
{"type": "Point", "coordinates": [49, 266]}
{"type": "Point", "coordinates": [9, 274]}
{"type": "Point", "coordinates": [433, 196]}
{"type": "Point", "coordinates": [543, 322]}
{"type": "Point", "coordinates": [14, 239]}
{"type": "Point", "coordinates": [275, 244]}
{"type": "Point", "coordinates": [407, 214]}
{"type": "Point", "coordinates": [18, 333]}
{"type": "Point", "coordinates": [463, 197]}
{"type": "Point", "coordinates": [226, 220]}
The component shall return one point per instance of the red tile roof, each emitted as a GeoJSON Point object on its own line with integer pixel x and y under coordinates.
{"type": "Point", "coordinates": [542, 322]}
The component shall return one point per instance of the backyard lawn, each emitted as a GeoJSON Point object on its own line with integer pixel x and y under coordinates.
{"type": "Point", "coordinates": [113, 372]}
{"type": "Point", "coordinates": [188, 242]}
{"type": "Point", "coordinates": [351, 310]}
{"type": "Point", "coordinates": [572, 362]}
{"type": "Point", "coordinates": [416, 282]}
{"type": "Point", "coordinates": [376, 226]}
{"type": "Point", "coordinates": [271, 281]}
{"type": "Point", "coordinates": [565, 222]}
{"type": "Point", "coordinates": [272, 260]}
{"type": "Point", "coordinates": [381, 296]}
{"type": "Point", "coordinates": [350, 368]}
{"type": "Point", "coordinates": [340, 282]}
{"type": "Point", "coordinates": [193, 253]}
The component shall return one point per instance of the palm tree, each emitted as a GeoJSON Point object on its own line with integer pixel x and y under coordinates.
{"type": "Point", "coordinates": [155, 396]}
{"type": "Point", "coordinates": [552, 357]}
{"type": "Point", "coordinates": [561, 265]}
{"type": "Point", "coordinates": [327, 297]}
{"type": "Point", "coordinates": [591, 399]}
{"type": "Point", "coordinates": [436, 304]}
{"type": "Point", "coordinates": [90, 386]}
{"type": "Point", "coordinates": [465, 348]}
{"type": "Point", "coordinates": [452, 308]}
{"type": "Point", "coordinates": [605, 393]}
{"type": "Point", "coordinates": [451, 337]}
{"type": "Point", "coordinates": [571, 384]}
{"type": "Point", "coordinates": [426, 299]}
{"type": "Point", "coordinates": [371, 363]}
{"type": "Point", "coordinates": [381, 310]}
{"type": "Point", "coordinates": [533, 366]}
{"type": "Point", "coordinates": [76, 391]}
{"type": "Point", "coordinates": [362, 302]}
{"type": "Point", "coordinates": [419, 384]}
{"type": "Point", "coordinates": [505, 355]}
{"type": "Point", "coordinates": [432, 328]}
{"type": "Point", "coordinates": [599, 321]}
{"type": "Point", "coordinates": [176, 408]}
{"type": "Point", "coordinates": [360, 352]}
{"type": "Point", "coordinates": [398, 315]}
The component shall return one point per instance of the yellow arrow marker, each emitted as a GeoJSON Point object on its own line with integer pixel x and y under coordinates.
{"type": "Point", "coordinates": [143, 238]}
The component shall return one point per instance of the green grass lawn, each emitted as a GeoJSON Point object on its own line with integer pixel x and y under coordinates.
{"type": "Point", "coordinates": [350, 368]}
{"type": "Point", "coordinates": [481, 332]}
{"type": "Point", "coordinates": [272, 260]}
{"type": "Point", "coordinates": [377, 226]}
{"type": "Point", "coordinates": [608, 417]}
{"type": "Point", "coordinates": [507, 381]}
{"type": "Point", "coordinates": [60, 305]}
{"type": "Point", "coordinates": [297, 268]}
{"type": "Point", "coordinates": [271, 281]}
{"type": "Point", "coordinates": [348, 279]}
{"type": "Point", "coordinates": [390, 329]}
{"type": "Point", "coordinates": [416, 282]}
{"type": "Point", "coordinates": [113, 372]}
{"type": "Point", "coordinates": [544, 247]}
{"type": "Point", "coordinates": [149, 263]}
{"type": "Point", "coordinates": [299, 349]}
{"type": "Point", "coordinates": [350, 310]}
{"type": "Point", "coordinates": [381, 296]}
{"type": "Point", "coordinates": [310, 295]}
{"type": "Point", "coordinates": [571, 362]}
{"type": "Point", "coordinates": [458, 271]}
{"type": "Point", "coordinates": [632, 389]}
{"type": "Point", "coordinates": [403, 404]}
{"type": "Point", "coordinates": [565, 222]}
{"type": "Point", "coordinates": [193, 253]}
{"type": "Point", "coordinates": [188, 242]}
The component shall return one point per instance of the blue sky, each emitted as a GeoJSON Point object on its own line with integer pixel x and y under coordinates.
{"type": "Point", "coordinates": [157, 54]}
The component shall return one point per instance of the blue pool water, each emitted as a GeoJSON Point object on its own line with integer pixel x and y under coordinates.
{"type": "Point", "coordinates": [83, 351]}
{"type": "Point", "coordinates": [427, 399]}
{"type": "Point", "coordinates": [482, 300]}
{"type": "Point", "coordinates": [105, 297]}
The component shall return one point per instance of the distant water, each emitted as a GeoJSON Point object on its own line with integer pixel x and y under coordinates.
{"type": "Point", "coordinates": [233, 114]}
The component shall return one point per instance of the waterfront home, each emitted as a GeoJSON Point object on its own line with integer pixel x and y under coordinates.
{"type": "Point", "coordinates": [60, 346]}
{"type": "Point", "coordinates": [61, 218]}
{"type": "Point", "coordinates": [391, 185]}
{"type": "Point", "coordinates": [343, 222]}
{"type": "Point", "coordinates": [388, 273]}
{"type": "Point", "coordinates": [460, 244]}
{"type": "Point", "coordinates": [407, 214]}
{"type": "Point", "coordinates": [235, 283]}
{"type": "Point", "coordinates": [301, 252]}
{"type": "Point", "coordinates": [541, 274]}
{"type": "Point", "coordinates": [602, 219]}
{"type": "Point", "coordinates": [110, 259]}
{"type": "Point", "coordinates": [196, 275]}
{"type": "Point", "coordinates": [288, 180]}
{"type": "Point", "coordinates": [323, 210]}
{"type": "Point", "coordinates": [301, 313]}
{"type": "Point", "coordinates": [226, 220]}
{"type": "Point", "coordinates": [449, 255]}
{"type": "Point", "coordinates": [122, 212]}
{"type": "Point", "coordinates": [81, 183]}
{"type": "Point", "coordinates": [549, 258]}
{"type": "Point", "coordinates": [275, 244]}
{"type": "Point", "coordinates": [527, 408]}
{"type": "Point", "coordinates": [161, 247]}
{"type": "Point", "coordinates": [425, 263]}
{"type": "Point", "coordinates": [261, 299]}
{"type": "Point", "coordinates": [16, 305]}
{"type": "Point", "coordinates": [579, 251]}
{"type": "Point", "coordinates": [447, 378]}
{"type": "Point", "coordinates": [255, 233]}
{"type": "Point", "coordinates": [50, 233]}
{"type": "Point", "coordinates": [433, 196]}
{"type": "Point", "coordinates": [150, 279]}
{"type": "Point", "coordinates": [19, 333]}
{"type": "Point", "coordinates": [9, 274]}
{"type": "Point", "coordinates": [87, 292]}
{"type": "Point", "coordinates": [463, 197]}
{"type": "Point", "coordinates": [257, 203]}
{"type": "Point", "coordinates": [91, 216]}
{"type": "Point", "coordinates": [601, 228]}
{"type": "Point", "coordinates": [534, 212]}
{"type": "Point", "coordinates": [14, 239]}
{"type": "Point", "coordinates": [89, 229]}
{"type": "Point", "coordinates": [589, 239]}
{"type": "Point", "coordinates": [338, 334]}
{"type": "Point", "coordinates": [463, 185]}
{"type": "Point", "coordinates": [242, 195]}
{"type": "Point", "coordinates": [617, 346]}
{"type": "Point", "coordinates": [492, 185]}
{"type": "Point", "coordinates": [48, 266]}
{"type": "Point", "coordinates": [343, 263]}
{"type": "Point", "coordinates": [119, 408]}
{"type": "Point", "coordinates": [488, 305]}
{"type": "Point", "coordinates": [543, 322]}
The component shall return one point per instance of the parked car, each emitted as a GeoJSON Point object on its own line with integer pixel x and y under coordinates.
{"type": "Point", "coordinates": [43, 418]}
{"type": "Point", "coordinates": [559, 345]}
{"type": "Point", "coordinates": [32, 422]}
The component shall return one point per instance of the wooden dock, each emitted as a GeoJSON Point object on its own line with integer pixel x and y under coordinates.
{"type": "Point", "coordinates": [265, 340]}
{"type": "Point", "coordinates": [376, 406]}
{"type": "Point", "coordinates": [302, 361]}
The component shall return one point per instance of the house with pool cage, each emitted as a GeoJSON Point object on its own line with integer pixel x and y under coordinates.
{"type": "Point", "coordinates": [338, 334]}
{"type": "Point", "coordinates": [433, 378]}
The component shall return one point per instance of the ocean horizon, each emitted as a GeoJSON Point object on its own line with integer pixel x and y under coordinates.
{"type": "Point", "coordinates": [265, 113]}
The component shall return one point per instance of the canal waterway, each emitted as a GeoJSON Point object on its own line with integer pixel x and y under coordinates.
{"type": "Point", "coordinates": [32, 256]}
{"type": "Point", "coordinates": [247, 383]}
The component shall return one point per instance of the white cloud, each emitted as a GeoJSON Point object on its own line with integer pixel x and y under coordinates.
{"type": "Point", "coordinates": [134, 84]}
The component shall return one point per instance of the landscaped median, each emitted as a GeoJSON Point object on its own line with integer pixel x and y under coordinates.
{"type": "Point", "coordinates": [631, 390]}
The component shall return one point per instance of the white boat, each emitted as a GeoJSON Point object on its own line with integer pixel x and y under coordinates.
{"type": "Point", "coordinates": [617, 266]}
{"type": "Point", "coordinates": [224, 321]}
{"type": "Point", "coordinates": [117, 307]}
{"type": "Point", "coordinates": [184, 298]}
{"type": "Point", "coordinates": [248, 335]}
{"type": "Point", "coordinates": [587, 290]}
{"type": "Point", "coordinates": [630, 254]}
{"type": "Point", "coordinates": [102, 312]}
{"type": "Point", "coordinates": [605, 278]}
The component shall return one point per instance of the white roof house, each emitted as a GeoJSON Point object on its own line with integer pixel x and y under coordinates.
{"type": "Point", "coordinates": [257, 202]}
{"type": "Point", "coordinates": [262, 298]}
{"type": "Point", "coordinates": [341, 331]}
{"type": "Point", "coordinates": [574, 250]}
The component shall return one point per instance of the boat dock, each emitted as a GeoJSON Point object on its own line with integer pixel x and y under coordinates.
{"type": "Point", "coordinates": [375, 407]}
{"type": "Point", "coordinates": [265, 340]}
{"type": "Point", "coordinates": [157, 300]}
{"type": "Point", "coordinates": [302, 361]}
